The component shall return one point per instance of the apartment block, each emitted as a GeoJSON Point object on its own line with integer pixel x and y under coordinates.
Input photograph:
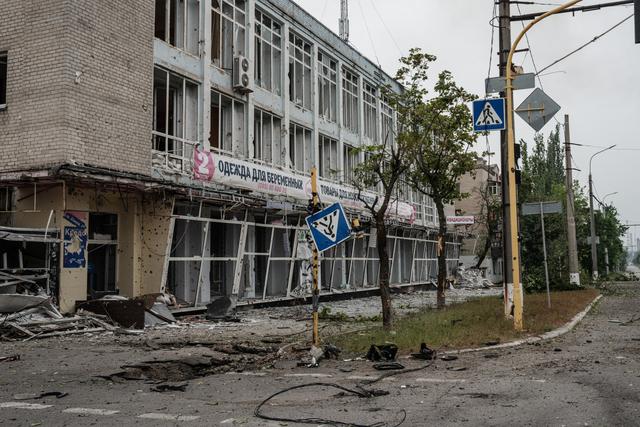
{"type": "Point", "coordinates": [167, 146]}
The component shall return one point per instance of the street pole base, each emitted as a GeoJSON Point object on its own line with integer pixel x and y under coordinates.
{"type": "Point", "coordinates": [574, 279]}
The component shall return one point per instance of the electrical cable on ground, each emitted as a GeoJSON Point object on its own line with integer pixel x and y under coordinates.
{"type": "Point", "coordinates": [360, 392]}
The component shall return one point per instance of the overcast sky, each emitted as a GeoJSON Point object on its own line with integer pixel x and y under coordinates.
{"type": "Point", "coordinates": [595, 86]}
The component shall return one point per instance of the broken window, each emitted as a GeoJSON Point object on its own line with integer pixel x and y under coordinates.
{"type": "Point", "coordinates": [102, 254]}
{"type": "Point", "coordinates": [175, 119]}
{"type": "Point", "coordinates": [388, 128]}
{"type": "Point", "coordinates": [351, 159]}
{"type": "Point", "coordinates": [300, 72]}
{"type": "Point", "coordinates": [3, 80]}
{"type": "Point", "coordinates": [328, 157]}
{"type": "Point", "coordinates": [267, 138]}
{"type": "Point", "coordinates": [227, 125]}
{"type": "Point", "coordinates": [300, 148]}
{"type": "Point", "coordinates": [227, 31]}
{"type": "Point", "coordinates": [370, 111]}
{"type": "Point", "coordinates": [177, 23]}
{"type": "Point", "coordinates": [350, 100]}
{"type": "Point", "coordinates": [268, 53]}
{"type": "Point", "coordinates": [327, 87]}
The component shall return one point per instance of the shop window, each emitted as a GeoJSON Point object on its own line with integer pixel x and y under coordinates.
{"type": "Point", "coordinates": [102, 251]}
{"type": "Point", "coordinates": [227, 31]}
{"type": "Point", "coordinates": [300, 72]}
{"type": "Point", "coordinates": [327, 87]}
{"type": "Point", "coordinates": [328, 157]}
{"type": "Point", "coordinates": [268, 53]}
{"type": "Point", "coordinates": [175, 119]}
{"type": "Point", "coordinates": [177, 23]}
{"type": "Point", "coordinates": [350, 101]}
{"type": "Point", "coordinates": [300, 148]}
{"type": "Point", "coordinates": [267, 138]}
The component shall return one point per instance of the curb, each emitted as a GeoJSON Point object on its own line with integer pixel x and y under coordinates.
{"type": "Point", "coordinates": [546, 336]}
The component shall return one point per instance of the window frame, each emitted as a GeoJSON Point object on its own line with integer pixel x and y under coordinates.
{"type": "Point", "coordinates": [276, 138]}
{"type": "Point", "coordinates": [234, 107]}
{"type": "Point", "coordinates": [370, 106]}
{"type": "Point", "coordinates": [300, 58]}
{"type": "Point", "coordinates": [275, 30]}
{"type": "Point", "coordinates": [178, 147]}
{"type": "Point", "coordinates": [308, 149]}
{"type": "Point", "coordinates": [327, 82]}
{"type": "Point", "coordinates": [331, 170]}
{"type": "Point", "coordinates": [233, 45]}
{"type": "Point", "coordinates": [350, 100]}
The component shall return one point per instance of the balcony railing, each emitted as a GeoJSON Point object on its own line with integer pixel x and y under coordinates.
{"type": "Point", "coordinates": [173, 154]}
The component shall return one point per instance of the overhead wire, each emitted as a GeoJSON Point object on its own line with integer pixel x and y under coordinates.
{"type": "Point", "coordinates": [384, 24]}
{"type": "Point", "coordinates": [596, 38]}
{"type": "Point", "coordinates": [366, 26]}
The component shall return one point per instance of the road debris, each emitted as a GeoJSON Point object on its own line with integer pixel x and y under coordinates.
{"type": "Point", "coordinates": [425, 353]}
{"type": "Point", "coordinates": [12, 358]}
{"type": "Point", "coordinates": [33, 396]}
{"type": "Point", "coordinates": [388, 366]}
{"type": "Point", "coordinates": [162, 388]}
{"type": "Point", "coordinates": [449, 357]}
{"type": "Point", "coordinates": [378, 353]}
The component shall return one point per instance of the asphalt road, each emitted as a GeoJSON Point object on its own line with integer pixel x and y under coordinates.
{"type": "Point", "coordinates": [590, 376]}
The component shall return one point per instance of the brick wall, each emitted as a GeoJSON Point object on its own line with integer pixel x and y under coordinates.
{"type": "Point", "coordinates": [80, 80]}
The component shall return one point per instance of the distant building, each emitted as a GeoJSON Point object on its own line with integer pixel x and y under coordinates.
{"type": "Point", "coordinates": [483, 186]}
{"type": "Point", "coordinates": [167, 146]}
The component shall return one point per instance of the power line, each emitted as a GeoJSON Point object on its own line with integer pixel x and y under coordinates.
{"type": "Point", "coordinates": [596, 38]}
{"type": "Point", "coordinates": [366, 26]}
{"type": "Point", "coordinates": [384, 24]}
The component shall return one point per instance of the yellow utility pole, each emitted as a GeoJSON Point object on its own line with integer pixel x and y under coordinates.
{"type": "Point", "coordinates": [513, 210]}
{"type": "Point", "coordinates": [316, 291]}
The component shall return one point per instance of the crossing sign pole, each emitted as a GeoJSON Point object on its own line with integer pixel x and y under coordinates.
{"type": "Point", "coordinates": [316, 262]}
{"type": "Point", "coordinates": [489, 115]}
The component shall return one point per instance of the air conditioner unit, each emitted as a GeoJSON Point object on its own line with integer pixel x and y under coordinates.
{"type": "Point", "coordinates": [241, 79]}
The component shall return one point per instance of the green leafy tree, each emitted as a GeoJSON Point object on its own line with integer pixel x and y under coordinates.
{"type": "Point", "coordinates": [440, 133]}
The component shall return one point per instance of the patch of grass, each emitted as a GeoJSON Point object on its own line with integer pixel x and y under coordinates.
{"type": "Point", "coordinates": [470, 324]}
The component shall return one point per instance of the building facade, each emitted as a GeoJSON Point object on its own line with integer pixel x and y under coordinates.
{"type": "Point", "coordinates": [483, 189]}
{"type": "Point", "coordinates": [168, 146]}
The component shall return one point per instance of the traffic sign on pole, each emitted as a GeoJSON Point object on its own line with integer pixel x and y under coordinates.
{"type": "Point", "coordinates": [329, 227]}
{"type": "Point", "coordinates": [489, 115]}
{"type": "Point", "coordinates": [521, 81]}
{"type": "Point", "coordinates": [537, 109]}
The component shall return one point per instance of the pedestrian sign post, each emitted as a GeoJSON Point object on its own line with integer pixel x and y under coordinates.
{"type": "Point", "coordinates": [489, 115]}
{"type": "Point", "coordinates": [329, 227]}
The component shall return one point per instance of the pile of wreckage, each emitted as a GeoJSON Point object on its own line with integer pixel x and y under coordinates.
{"type": "Point", "coordinates": [27, 317]}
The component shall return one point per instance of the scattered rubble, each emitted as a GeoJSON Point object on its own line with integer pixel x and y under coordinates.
{"type": "Point", "coordinates": [425, 353]}
{"type": "Point", "coordinates": [378, 353]}
{"type": "Point", "coordinates": [471, 278]}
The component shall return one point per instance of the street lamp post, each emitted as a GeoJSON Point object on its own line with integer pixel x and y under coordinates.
{"type": "Point", "coordinates": [518, 321]}
{"type": "Point", "coordinates": [594, 247]}
{"type": "Point", "coordinates": [606, 249]}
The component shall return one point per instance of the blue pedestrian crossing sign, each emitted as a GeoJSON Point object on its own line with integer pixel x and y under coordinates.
{"type": "Point", "coordinates": [488, 115]}
{"type": "Point", "coordinates": [329, 227]}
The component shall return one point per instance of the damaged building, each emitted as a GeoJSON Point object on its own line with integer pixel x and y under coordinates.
{"type": "Point", "coordinates": [166, 146]}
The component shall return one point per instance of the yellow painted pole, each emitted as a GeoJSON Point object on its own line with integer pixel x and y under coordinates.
{"type": "Point", "coordinates": [518, 321]}
{"type": "Point", "coordinates": [316, 262]}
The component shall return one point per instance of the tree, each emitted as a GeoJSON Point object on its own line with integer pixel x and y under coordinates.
{"type": "Point", "coordinates": [380, 173]}
{"type": "Point", "coordinates": [488, 219]}
{"type": "Point", "coordinates": [439, 132]}
{"type": "Point", "coordinates": [543, 179]}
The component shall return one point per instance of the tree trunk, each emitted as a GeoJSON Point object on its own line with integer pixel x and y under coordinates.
{"type": "Point", "coordinates": [383, 279]}
{"type": "Point", "coordinates": [442, 253]}
{"type": "Point", "coordinates": [485, 250]}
